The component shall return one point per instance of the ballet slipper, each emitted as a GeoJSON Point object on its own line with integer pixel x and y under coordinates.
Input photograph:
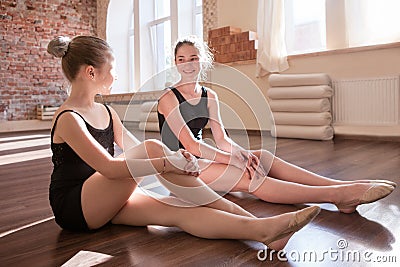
{"type": "Point", "coordinates": [377, 181]}
{"type": "Point", "coordinates": [375, 192]}
{"type": "Point", "coordinates": [299, 220]}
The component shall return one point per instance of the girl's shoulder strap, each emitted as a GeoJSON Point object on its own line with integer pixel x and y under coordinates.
{"type": "Point", "coordinates": [178, 95]}
{"type": "Point", "coordinates": [58, 116]}
{"type": "Point", "coordinates": [109, 111]}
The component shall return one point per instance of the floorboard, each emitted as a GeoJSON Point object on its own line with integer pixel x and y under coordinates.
{"type": "Point", "coordinates": [370, 237]}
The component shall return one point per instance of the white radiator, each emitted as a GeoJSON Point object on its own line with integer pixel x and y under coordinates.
{"type": "Point", "coordinates": [373, 101]}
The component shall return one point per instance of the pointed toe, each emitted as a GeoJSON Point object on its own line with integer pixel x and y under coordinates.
{"type": "Point", "coordinates": [375, 192]}
{"type": "Point", "coordinates": [298, 221]}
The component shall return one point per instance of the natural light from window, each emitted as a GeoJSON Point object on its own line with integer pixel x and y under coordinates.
{"type": "Point", "coordinates": [305, 26]}
{"type": "Point", "coordinates": [318, 25]}
{"type": "Point", "coordinates": [373, 22]}
{"type": "Point", "coordinates": [162, 8]}
{"type": "Point", "coordinates": [142, 34]}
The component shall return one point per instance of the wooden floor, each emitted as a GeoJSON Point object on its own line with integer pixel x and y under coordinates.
{"type": "Point", "coordinates": [30, 237]}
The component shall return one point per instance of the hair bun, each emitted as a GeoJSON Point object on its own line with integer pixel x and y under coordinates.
{"type": "Point", "coordinates": [58, 47]}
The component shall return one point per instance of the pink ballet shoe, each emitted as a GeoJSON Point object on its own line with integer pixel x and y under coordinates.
{"type": "Point", "coordinates": [375, 192]}
{"type": "Point", "coordinates": [299, 220]}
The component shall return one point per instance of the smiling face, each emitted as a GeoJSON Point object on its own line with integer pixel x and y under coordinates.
{"type": "Point", "coordinates": [187, 61]}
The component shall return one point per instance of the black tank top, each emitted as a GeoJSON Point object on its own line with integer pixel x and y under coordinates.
{"type": "Point", "coordinates": [69, 169]}
{"type": "Point", "coordinates": [195, 116]}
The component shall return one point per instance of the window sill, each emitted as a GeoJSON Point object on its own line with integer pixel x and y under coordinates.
{"type": "Point", "coordinates": [325, 53]}
{"type": "Point", "coordinates": [242, 62]}
{"type": "Point", "coordinates": [127, 98]}
{"type": "Point", "coordinates": [346, 50]}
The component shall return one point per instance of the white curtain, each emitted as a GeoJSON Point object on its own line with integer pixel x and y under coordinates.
{"type": "Point", "coordinates": [370, 22]}
{"type": "Point", "coordinates": [271, 53]}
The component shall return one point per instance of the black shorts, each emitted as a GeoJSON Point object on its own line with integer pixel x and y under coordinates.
{"type": "Point", "coordinates": [67, 209]}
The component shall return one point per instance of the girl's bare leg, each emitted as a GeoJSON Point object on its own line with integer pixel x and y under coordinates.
{"type": "Point", "coordinates": [102, 198]}
{"type": "Point", "coordinates": [283, 170]}
{"type": "Point", "coordinates": [226, 178]}
{"type": "Point", "coordinates": [286, 171]}
{"type": "Point", "coordinates": [195, 192]}
{"type": "Point", "coordinates": [211, 223]}
{"type": "Point", "coordinates": [188, 188]}
{"type": "Point", "coordinates": [283, 192]}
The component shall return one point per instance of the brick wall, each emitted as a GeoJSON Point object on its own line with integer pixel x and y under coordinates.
{"type": "Point", "coordinates": [230, 44]}
{"type": "Point", "coordinates": [28, 74]}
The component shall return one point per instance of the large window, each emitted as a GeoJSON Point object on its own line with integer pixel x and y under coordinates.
{"type": "Point", "coordinates": [142, 34]}
{"type": "Point", "coordinates": [159, 24]}
{"type": "Point", "coordinates": [318, 25]}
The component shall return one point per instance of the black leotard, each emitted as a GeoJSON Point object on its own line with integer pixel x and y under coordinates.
{"type": "Point", "coordinates": [195, 116]}
{"type": "Point", "coordinates": [69, 174]}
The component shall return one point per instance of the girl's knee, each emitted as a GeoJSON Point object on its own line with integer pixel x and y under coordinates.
{"type": "Point", "coordinates": [266, 157]}
{"type": "Point", "coordinates": [154, 148]}
{"type": "Point", "coordinates": [151, 143]}
{"type": "Point", "coordinates": [264, 153]}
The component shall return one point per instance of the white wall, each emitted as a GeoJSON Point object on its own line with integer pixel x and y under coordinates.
{"type": "Point", "coordinates": [238, 13]}
{"type": "Point", "coordinates": [242, 103]}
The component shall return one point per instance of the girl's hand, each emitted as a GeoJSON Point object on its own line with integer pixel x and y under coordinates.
{"type": "Point", "coordinates": [238, 161]}
{"type": "Point", "coordinates": [182, 162]}
{"type": "Point", "coordinates": [255, 164]}
{"type": "Point", "coordinates": [251, 162]}
{"type": "Point", "coordinates": [192, 167]}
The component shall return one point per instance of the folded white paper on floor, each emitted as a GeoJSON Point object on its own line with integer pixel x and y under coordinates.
{"type": "Point", "coordinates": [86, 258]}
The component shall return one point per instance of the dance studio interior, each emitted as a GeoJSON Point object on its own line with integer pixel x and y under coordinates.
{"type": "Point", "coordinates": [314, 82]}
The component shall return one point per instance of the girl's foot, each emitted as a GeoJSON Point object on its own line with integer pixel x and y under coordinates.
{"type": "Point", "coordinates": [373, 193]}
{"type": "Point", "coordinates": [296, 221]}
